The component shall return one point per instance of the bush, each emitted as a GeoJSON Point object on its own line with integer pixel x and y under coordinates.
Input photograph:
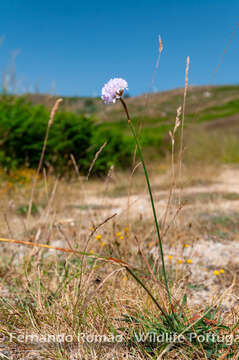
{"type": "Point", "coordinates": [23, 128]}
{"type": "Point", "coordinates": [70, 134]}
{"type": "Point", "coordinates": [22, 132]}
{"type": "Point", "coordinates": [118, 150]}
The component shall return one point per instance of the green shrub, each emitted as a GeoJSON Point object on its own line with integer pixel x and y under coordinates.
{"type": "Point", "coordinates": [118, 150]}
{"type": "Point", "coordinates": [70, 134]}
{"type": "Point", "coordinates": [22, 132]}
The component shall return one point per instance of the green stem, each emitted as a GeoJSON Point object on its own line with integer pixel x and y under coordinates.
{"type": "Point", "coordinates": [151, 197]}
{"type": "Point", "coordinates": [148, 292]}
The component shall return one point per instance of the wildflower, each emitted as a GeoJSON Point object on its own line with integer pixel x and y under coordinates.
{"type": "Point", "coordinates": [113, 90]}
{"type": "Point", "coordinates": [102, 244]}
{"type": "Point", "coordinates": [189, 261]}
{"type": "Point", "coordinates": [222, 271]}
{"type": "Point", "coordinates": [186, 245]}
{"type": "Point", "coordinates": [125, 278]}
{"type": "Point", "coordinates": [118, 234]}
{"type": "Point", "coordinates": [216, 272]}
{"type": "Point", "coordinates": [126, 231]}
{"type": "Point", "coordinates": [91, 252]}
{"type": "Point", "coordinates": [98, 237]}
{"type": "Point", "coordinates": [180, 261]}
{"type": "Point", "coordinates": [151, 244]}
{"type": "Point", "coordinates": [121, 238]}
{"type": "Point", "coordinates": [170, 257]}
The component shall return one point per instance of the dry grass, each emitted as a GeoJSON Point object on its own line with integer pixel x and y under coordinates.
{"type": "Point", "coordinates": [49, 292]}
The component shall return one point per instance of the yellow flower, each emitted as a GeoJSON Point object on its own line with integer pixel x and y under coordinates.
{"type": "Point", "coordinates": [151, 244]}
{"type": "Point", "coordinates": [118, 234]}
{"type": "Point", "coordinates": [121, 238]}
{"type": "Point", "coordinates": [170, 257]}
{"type": "Point", "coordinates": [91, 228]}
{"type": "Point", "coordinates": [180, 261]}
{"type": "Point", "coordinates": [222, 271]}
{"type": "Point", "coordinates": [91, 252]}
{"type": "Point", "coordinates": [126, 229]}
{"type": "Point", "coordinates": [102, 243]}
{"type": "Point", "coordinates": [186, 245]}
{"type": "Point", "coordinates": [98, 237]}
{"type": "Point", "coordinates": [215, 272]}
{"type": "Point", "coordinates": [125, 278]}
{"type": "Point", "coordinates": [189, 261]}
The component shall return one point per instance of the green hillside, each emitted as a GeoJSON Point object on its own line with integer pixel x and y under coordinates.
{"type": "Point", "coordinates": [83, 125]}
{"type": "Point", "coordinates": [156, 110]}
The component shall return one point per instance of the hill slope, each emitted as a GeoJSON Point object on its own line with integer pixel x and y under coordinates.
{"type": "Point", "coordinates": [211, 120]}
{"type": "Point", "coordinates": [156, 105]}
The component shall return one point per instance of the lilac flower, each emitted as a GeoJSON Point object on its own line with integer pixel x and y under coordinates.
{"type": "Point", "coordinates": [113, 90]}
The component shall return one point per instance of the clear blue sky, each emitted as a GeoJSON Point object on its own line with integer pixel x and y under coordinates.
{"type": "Point", "coordinates": [79, 44]}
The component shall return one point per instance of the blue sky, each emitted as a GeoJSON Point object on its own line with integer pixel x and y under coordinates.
{"type": "Point", "coordinates": [74, 47]}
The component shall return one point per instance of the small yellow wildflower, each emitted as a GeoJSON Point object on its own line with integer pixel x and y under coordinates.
{"type": "Point", "coordinates": [222, 271]}
{"type": "Point", "coordinates": [180, 261]}
{"type": "Point", "coordinates": [102, 243]}
{"type": "Point", "coordinates": [91, 228]}
{"type": "Point", "coordinates": [98, 237]}
{"type": "Point", "coordinates": [186, 245]}
{"type": "Point", "coordinates": [125, 278]}
{"type": "Point", "coordinates": [216, 272]}
{"type": "Point", "coordinates": [91, 252]}
{"type": "Point", "coordinates": [151, 244]}
{"type": "Point", "coordinates": [118, 234]}
{"type": "Point", "coordinates": [170, 257]}
{"type": "Point", "coordinates": [126, 231]}
{"type": "Point", "coordinates": [121, 238]}
{"type": "Point", "coordinates": [189, 261]}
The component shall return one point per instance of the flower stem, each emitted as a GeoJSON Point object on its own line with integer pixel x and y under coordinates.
{"type": "Point", "coordinates": [151, 196]}
{"type": "Point", "coordinates": [148, 292]}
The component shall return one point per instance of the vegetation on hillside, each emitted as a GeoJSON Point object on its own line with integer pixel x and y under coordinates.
{"type": "Point", "coordinates": [84, 125]}
{"type": "Point", "coordinates": [23, 127]}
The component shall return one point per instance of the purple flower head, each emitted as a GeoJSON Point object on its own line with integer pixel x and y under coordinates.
{"type": "Point", "coordinates": [113, 90]}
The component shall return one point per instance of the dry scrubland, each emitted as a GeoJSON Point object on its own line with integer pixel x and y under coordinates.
{"type": "Point", "coordinates": [50, 292]}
